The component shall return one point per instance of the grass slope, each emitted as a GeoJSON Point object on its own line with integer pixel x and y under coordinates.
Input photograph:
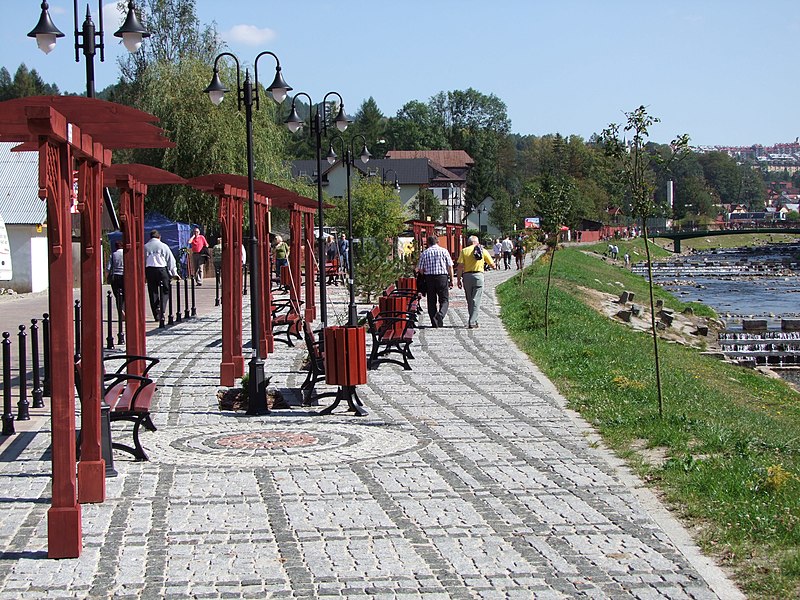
{"type": "Point", "coordinates": [729, 435]}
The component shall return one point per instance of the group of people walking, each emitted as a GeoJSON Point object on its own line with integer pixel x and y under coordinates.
{"type": "Point", "coordinates": [507, 249]}
{"type": "Point", "coordinates": [436, 265]}
{"type": "Point", "coordinates": [337, 255]}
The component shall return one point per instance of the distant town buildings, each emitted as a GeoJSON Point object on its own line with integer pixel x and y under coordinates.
{"type": "Point", "coordinates": [778, 157]}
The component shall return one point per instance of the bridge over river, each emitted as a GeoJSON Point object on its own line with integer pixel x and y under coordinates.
{"type": "Point", "coordinates": [677, 236]}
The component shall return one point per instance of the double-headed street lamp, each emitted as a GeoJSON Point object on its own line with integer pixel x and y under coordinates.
{"type": "Point", "coordinates": [319, 126]}
{"type": "Point", "coordinates": [352, 314]}
{"type": "Point", "coordinates": [396, 181]}
{"type": "Point", "coordinates": [247, 94]}
{"type": "Point", "coordinates": [88, 38]}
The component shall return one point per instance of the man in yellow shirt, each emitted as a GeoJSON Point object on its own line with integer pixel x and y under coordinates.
{"type": "Point", "coordinates": [470, 266]}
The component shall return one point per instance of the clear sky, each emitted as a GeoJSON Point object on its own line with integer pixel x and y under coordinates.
{"type": "Point", "coordinates": [722, 71]}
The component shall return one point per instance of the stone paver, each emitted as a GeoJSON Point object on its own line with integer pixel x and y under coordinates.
{"type": "Point", "coordinates": [468, 479]}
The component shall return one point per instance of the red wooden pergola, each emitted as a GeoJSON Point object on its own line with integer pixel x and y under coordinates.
{"type": "Point", "coordinates": [231, 191]}
{"type": "Point", "coordinates": [133, 181]}
{"type": "Point", "coordinates": [72, 132]}
{"type": "Point", "coordinates": [453, 239]}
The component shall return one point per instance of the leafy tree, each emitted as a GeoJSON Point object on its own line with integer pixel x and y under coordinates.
{"type": "Point", "coordinates": [377, 210]}
{"type": "Point", "coordinates": [553, 197]}
{"type": "Point", "coordinates": [634, 163]}
{"type": "Point", "coordinates": [375, 267]}
{"type": "Point", "coordinates": [426, 206]}
{"type": "Point", "coordinates": [416, 127]}
{"type": "Point", "coordinates": [25, 83]}
{"type": "Point", "coordinates": [502, 214]}
{"type": "Point", "coordinates": [177, 35]}
{"type": "Point", "coordinates": [753, 190]}
{"type": "Point", "coordinates": [722, 173]}
{"type": "Point", "coordinates": [370, 122]}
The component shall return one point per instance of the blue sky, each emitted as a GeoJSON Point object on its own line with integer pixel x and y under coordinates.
{"type": "Point", "coordinates": [720, 70]}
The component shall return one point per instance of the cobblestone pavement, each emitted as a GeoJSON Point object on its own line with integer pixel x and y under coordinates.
{"type": "Point", "coordinates": [468, 479]}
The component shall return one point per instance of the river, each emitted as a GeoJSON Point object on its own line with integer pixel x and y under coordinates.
{"type": "Point", "coordinates": [738, 283]}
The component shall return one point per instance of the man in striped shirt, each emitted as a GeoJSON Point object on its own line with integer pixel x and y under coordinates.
{"type": "Point", "coordinates": [437, 266]}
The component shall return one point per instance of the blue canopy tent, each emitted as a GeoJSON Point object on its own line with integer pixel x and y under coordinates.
{"type": "Point", "coordinates": [173, 233]}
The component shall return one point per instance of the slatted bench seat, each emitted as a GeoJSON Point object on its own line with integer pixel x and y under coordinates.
{"type": "Point", "coordinates": [129, 396]}
{"type": "Point", "coordinates": [286, 321]}
{"type": "Point", "coordinates": [392, 333]}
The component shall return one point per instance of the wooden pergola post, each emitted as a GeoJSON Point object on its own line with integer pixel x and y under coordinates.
{"type": "Point", "coordinates": [91, 468]}
{"type": "Point", "coordinates": [63, 129]}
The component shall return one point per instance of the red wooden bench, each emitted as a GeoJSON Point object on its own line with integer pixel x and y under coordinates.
{"type": "Point", "coordinates": [332, 272]}
{"type": "Point", "coordinates": [392, 333]}
{"type": "Point", "coordinates": [129, 397]}
{"type": "Point", "coordinates": [286, 321]}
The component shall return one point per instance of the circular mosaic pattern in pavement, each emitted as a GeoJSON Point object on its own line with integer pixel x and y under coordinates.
{"type": "Point", "coordinates": [276, 444]}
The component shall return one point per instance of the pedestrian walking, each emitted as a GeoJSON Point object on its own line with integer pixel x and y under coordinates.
{"type": "Point", "coordinates": [281, 252]}
{"type": "Point", "coordinates": [471, 264]}
{"type": "Point", "coordinates": [198, 244]}
{"type": "Point", "coordinates": [627, 258]}
{"type": "Point", "coordinates": [159, 264]}
{"type": "Point", "coordinates": [436, 265]}
{"type": "Point", "coordinates": [519, 253]}
{"type": "Point", "coordinates": [508, 247]}
{"type": "Point", "coordinates": [116, 277]}
{"type": "Point", "coordinates": [344, 255]}
{"type": "Point", "coordinates": [497, 253]}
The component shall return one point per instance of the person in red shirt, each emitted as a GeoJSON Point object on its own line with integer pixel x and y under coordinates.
{"type": "Point", "coordinates": [200, 253]}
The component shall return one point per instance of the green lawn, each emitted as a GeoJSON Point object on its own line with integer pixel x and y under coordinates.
{"type": "Point", "coordinates": [730, 436]}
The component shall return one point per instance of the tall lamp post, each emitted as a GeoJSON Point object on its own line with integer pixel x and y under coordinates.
{"type": "Point", "coordinates": [352, 314]}
{"type": "Point", "coordinates": [480, 211]}
{"type": "Point", "coordinates": [319, 126]}
{"type": "Point", "coordinates": [247, 94]}
{"type": "Point", "coordinates": [88, 38]}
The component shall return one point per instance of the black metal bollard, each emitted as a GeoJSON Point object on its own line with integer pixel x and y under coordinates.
{"type": "Point", "coordinates": [194, 308]}
{"type": "Point", "coordinates": [109, 323]}
{"type": "Point", "coordinates": [217, 276]}
{"type": "Point", "coordinates": [36, 393]}
{"type": "Point", "coordinates": [178, 315]}
{"type": "Point", "coordinates": [120, 331]}
{"type": "Point", "coordinates": [23, 406]}
{"type": "Point", "coordinates": [46, 344]}
{"type": "Point", "coordinates": [170, 317]}
{"type": "Point", "coordinates": [186, 313]}
{"type": "Point", "coordinates": [77, 330]}
{"type": "Point", "coordinates": [8, 416]}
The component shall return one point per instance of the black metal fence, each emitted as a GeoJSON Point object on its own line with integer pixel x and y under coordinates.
{"type": "Point", "coordinates": [28, 369]}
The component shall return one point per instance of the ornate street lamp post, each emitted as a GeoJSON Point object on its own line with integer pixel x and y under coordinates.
{"type": "Point", "coordinates": [352, 313]}
{"type": "Point", "coordinates": [247, 94]}
{"type": "Point", "coordinates": [319, 126]}
{"type": "Point", "coordinates": [88, 38]}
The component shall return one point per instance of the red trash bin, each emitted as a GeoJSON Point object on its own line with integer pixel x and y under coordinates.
{"type": "Point", "coordinates": [345, 356]}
